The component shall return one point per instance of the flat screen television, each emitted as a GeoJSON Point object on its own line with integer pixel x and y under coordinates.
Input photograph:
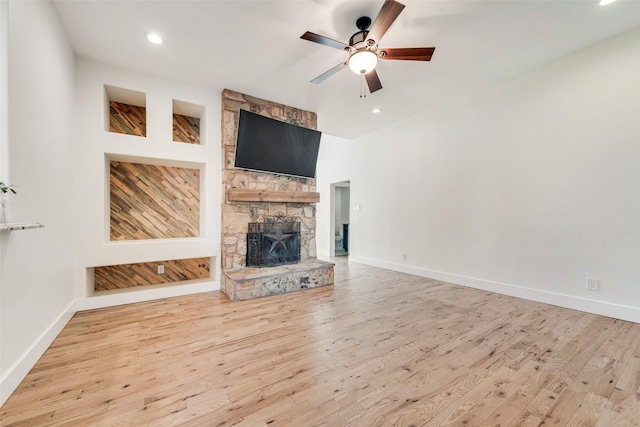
{"type": "Point", "coordinates": [268, 145]}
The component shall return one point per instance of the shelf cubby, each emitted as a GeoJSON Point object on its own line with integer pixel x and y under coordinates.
{"type": "Point", "coordinates": [187, 119]}
{"type": "Point", "coordinates": [123, 276]}
{"type": "Point", "coordinates": [125, 111]}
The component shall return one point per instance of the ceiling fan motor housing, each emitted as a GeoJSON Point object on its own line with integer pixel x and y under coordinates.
{"type": "Point", "coordinates": [363, 24]}
{"type": "Point", "coordinates": [357, 38]}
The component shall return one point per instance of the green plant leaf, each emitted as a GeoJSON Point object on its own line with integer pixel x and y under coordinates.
{"type": "Point", "coordinates": [5, 188]}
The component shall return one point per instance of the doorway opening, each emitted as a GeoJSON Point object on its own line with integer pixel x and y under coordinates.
{"type": "Point", "coordinates": [340, 199]}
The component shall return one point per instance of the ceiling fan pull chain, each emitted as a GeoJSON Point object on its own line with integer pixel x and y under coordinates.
{"type": "Point", "coordinates": [363, 93]}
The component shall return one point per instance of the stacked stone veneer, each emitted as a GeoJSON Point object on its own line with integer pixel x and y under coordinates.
{"type": "Point", "coordinates": [250, 283]}
{"type": "Point", "coordinates": [237, 215]}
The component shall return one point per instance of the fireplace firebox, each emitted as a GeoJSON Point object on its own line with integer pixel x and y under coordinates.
{"type": "Point", "coordinates": [276, 241]}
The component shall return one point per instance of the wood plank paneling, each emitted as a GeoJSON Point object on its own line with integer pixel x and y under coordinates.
{"type": "Point", "coordinates": [247, 195]}
{"type": "Point", "coordinates": [153, 202]}
{"type": "Point", "coordinates": [379, 348]}
{"type": "Point", "coordinates": [186, 129]}
{"type": "Point", "coordinates": [128, 119]}
{"type": "Point", "coordinates": [146, 273]}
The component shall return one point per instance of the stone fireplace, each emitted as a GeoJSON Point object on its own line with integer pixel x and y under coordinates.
{"type": "Point", "coordinates": [263, 198]}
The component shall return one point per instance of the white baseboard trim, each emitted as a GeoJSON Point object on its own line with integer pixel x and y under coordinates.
{"type": "Point", "coordinates": [631, 314]}
{"type": "Point", "coordinates": [110, 300]}
{"type": "Point", "coordinates": [324, 257]}
{"type": "Point", "coordinates": [16, 373]}
{"type": "Point", "coordinates": [20, 369]}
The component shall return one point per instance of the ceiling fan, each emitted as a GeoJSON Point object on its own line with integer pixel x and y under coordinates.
{"type": "Point", "coordinates": [364, 50]}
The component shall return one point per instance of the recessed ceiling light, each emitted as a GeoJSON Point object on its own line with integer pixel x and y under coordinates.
{"type": "Point", "coordinates": [154, 38]}
{"type": "Point", "coordinates": [606, 2]}
{"type": "Point", "coordinates": [376, 110]}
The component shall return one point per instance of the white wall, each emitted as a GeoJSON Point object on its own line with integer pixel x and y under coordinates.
{"type": "Point", "coordinates": [527, 188]}
{"type": "Point", "coordinates": [337, 208]}
{"type": "Point", "coordinates": [36, 266]}
{"type": "Point", "coordinates": [334, 165]}
{"type": "Point", "coordinates": [343, 212]}
{"type": "Point", "coordinates": [58, 152]}
{"type": "Point", "coordinates": [4, 99]}
{"type": "Point", "coordinates": [96, 146]}
{"type": "Point", "coordinates": [341, 208]}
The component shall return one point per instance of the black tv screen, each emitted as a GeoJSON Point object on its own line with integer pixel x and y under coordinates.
{"type": "Point", "coordinates": [269, 145]}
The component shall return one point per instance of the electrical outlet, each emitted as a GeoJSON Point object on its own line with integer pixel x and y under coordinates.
{"type": "Point", "coordinates": [160, 269]}
{"type": "Point", "coordinates": [593, 284]}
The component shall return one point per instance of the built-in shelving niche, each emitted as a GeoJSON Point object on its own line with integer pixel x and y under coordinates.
{"type": "Point", "coordinates": [153, 198]}
{"type": "Point", "coordinates": [187, 122]}
{"type": "Point", "coordinates": [146, 275]}
{"type": "Point", "coordinates": [125, 111]}
{"type": "Point", "coordinates": [150, 200]}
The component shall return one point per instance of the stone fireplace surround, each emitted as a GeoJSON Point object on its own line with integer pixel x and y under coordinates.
{"type": "Point", "coordinates": [252, 196]}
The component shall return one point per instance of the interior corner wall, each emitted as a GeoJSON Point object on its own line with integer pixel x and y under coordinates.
{"type": "Point", "coordinates": [526, 189]}
{"type": "Point", "coordinates": [343, 213]}
{"type": "Point", "coordinates": [337, 203]}
{"type": "Point", "coordinates": [4, 98]}
{"type": "Point", "coordinates": [341, 209]}
{"type": "Point", "coordinates": [36, 279]}
{"type": "Point", "coordinates": [335, 164]}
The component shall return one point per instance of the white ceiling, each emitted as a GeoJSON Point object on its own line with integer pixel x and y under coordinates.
{"type": "Point", "coordinates": [254, 47]}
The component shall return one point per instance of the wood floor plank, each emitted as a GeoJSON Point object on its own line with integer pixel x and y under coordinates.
{"type": "Point", "coordinates": [379, 348]}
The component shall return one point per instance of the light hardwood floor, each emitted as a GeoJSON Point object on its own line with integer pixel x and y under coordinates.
{"type": "Point", "coordinates": [378, 348]}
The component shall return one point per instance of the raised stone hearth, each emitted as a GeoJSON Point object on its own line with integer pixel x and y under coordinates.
{"type": "Point", "coordinates": [248, 283]}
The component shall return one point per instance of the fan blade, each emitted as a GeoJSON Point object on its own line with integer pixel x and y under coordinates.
{"type": "Point", "coordinates": [373, 81]}
{"type": "Point", "coordinates": [317, 38]}
{"type": "Point", "coordinates": [408, 53]}
{"type": "Point", "coordinates": [388, 14]}
{"type": "Point", "coordinates": [322, 77]}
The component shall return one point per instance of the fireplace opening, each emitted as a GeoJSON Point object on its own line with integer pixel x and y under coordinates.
{"type": "Point", "coordinates": [276, 241]}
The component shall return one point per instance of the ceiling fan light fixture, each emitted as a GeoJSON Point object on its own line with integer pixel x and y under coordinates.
{"type": "Point", "coordinates": [363, 61]}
